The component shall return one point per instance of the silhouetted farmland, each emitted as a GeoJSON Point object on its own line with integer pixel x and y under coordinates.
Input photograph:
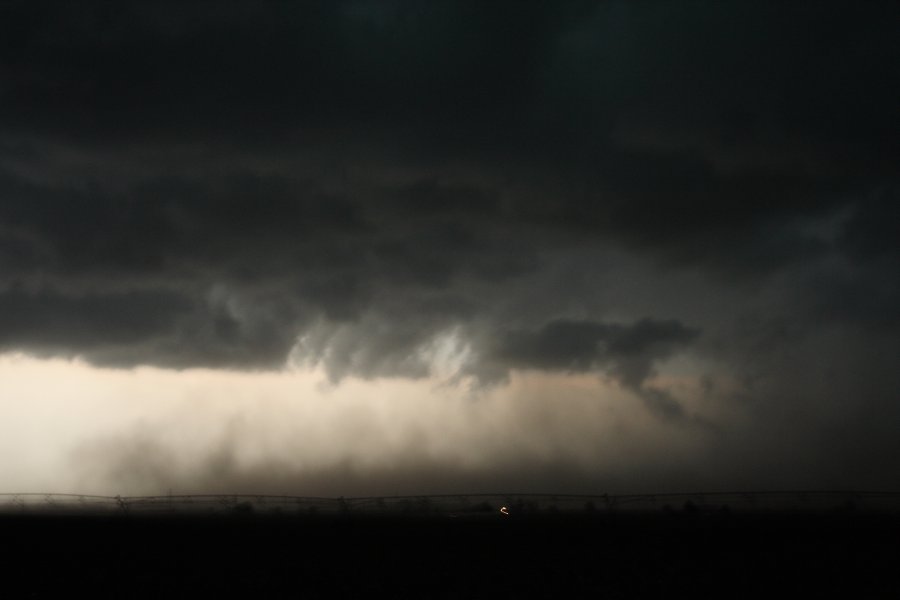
{"type": "Point", "coordinates": [535, 551]}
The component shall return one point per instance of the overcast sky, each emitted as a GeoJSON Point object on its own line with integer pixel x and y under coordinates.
{"type": "Point", "coordinates": [352, 248]}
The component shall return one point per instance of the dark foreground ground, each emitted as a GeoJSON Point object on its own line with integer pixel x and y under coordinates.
{"type": "Point", "coordinates": [489, 556]}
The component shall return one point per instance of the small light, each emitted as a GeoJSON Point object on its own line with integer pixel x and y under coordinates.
{"type": "Point", "coordinates": [504, 510]}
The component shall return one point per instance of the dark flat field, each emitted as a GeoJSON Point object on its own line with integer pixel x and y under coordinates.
{"type": "Point", "coordinates": [487, 556]}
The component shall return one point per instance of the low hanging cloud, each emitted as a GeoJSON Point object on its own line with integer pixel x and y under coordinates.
{"type": "Point", "coordinates": [627, 352]}
{"type": "Point", "coordinates": [579, 346]}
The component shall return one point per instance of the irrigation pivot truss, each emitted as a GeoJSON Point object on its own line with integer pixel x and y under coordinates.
{"type": "Point", "coordinates": [450, 505]}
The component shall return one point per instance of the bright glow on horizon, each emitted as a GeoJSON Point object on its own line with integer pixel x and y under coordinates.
{"type": "Point", "coordinates": [72, 427]}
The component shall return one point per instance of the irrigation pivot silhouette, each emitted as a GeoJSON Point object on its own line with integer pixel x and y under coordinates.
{"type": "Point", "coordinates": [453, 505]}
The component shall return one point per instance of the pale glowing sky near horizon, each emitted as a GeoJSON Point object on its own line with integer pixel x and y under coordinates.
{"type": "Point", "coordinates": [74, 428]}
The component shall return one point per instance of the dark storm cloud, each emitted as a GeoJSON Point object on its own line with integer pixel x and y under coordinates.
{"type": "Point", "coordinates": [369, 176]}
{"type": "Point", "coordinates": [579, 346]}
{"type": "Point", "coordinates": [146, 68]}
{"type": "Point", "coordinates": [49, 319]}
{"type": "Point", "coordinates": [628, 352]}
